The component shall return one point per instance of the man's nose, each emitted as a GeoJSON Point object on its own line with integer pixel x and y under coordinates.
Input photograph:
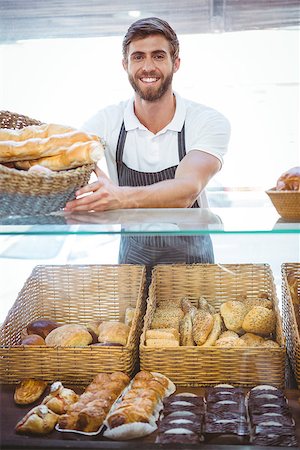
{"type": "Point", "coordinates": [148, 64]}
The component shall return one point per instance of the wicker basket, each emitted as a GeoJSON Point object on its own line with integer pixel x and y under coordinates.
{"type": "Point", "coordinates": [196, 366]}
{"type": "Point", "coordinates": [291, 329]}
{"type": "Point", "coordinates": [287, 203]}
{"type": "Point", "coordinates": [27, 193]}
{"type": "Point", "coordinates": [73, 294]}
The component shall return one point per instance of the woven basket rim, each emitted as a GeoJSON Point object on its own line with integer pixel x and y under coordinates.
{"type": "Point", "coordinates": [273, 191]}
{"type": "Point", "coordinates": [44, 175]}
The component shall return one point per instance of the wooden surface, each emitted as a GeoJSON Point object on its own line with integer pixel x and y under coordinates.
{"type": "Point", "coordinates": [10, 414]}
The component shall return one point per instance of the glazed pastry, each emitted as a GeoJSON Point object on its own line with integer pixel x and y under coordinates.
{"type": "Point", "coordinates": [70, 335]}
{"type": "Point", "coordinates": [39, 420]}
{"type": "Point", "coordinates": [289, 180]}
{"type": "Point", "coordinates": [29, 390]}
{"type": "Point", "coordinates": [60, 398]}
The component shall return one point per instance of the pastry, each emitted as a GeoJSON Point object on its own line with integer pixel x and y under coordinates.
{"type": "Point", "coordinates": [60, 398]}
{"type": "Point", "coordinates": [70, 335]}
{"type": "Point", "coordinates": [116, 332]}
{"type": "Point", "coordinates": [29, 390]}
{"type": "Point", "coordinates": [39, 420]}
{"type": "Point", "coordinates": [289, 180]}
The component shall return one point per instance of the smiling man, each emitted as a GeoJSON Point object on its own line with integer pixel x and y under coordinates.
{"type": "Point", "coordinates": [161, 149]}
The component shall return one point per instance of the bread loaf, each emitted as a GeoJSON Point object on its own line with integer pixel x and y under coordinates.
{"type": "Point", "coordinates": [162, 333]}
{"type": "Point", "coordinates": [69, 335]}
{"type": "Point", "coordinates": [215, 332]}
{"type": "Point", "coordinates": [111, 331]}
{"type": "Point", "coordinates": [42, 327]}
{"type": "Point", "coordinates": [33, 339]}
{"type": "Point", "coordinates": [162, 342]}
{"type": "Point", "coordinates": [202, 325]}
{"type": "Point", "coordinates": [186, 330]}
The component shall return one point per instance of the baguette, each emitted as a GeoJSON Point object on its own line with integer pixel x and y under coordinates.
{"type": "Point", "coordinates": [33, 131]}
{"type": "Point", "coordinates": [36, 148]}
{"type": "Point", "coordinates": [76, 155]}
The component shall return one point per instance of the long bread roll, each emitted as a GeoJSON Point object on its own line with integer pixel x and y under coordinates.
{"type": "Point", "coordinates": [77, 155]}
{"type": "Point", "coordinates": [36, 148]}
{"type": "Point", "coordinates": [33, 131]}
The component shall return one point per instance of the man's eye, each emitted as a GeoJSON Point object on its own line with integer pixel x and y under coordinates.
{"type": "Point", "coordinates": [159, 56]}
{"type": "Point", "coordinates": [137, 57]}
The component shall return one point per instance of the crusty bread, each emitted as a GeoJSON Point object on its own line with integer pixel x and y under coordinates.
{"type": "Point", "coordinates": [204, 304]}
{"type": "Point", "coordinates": [33, 131]}
{"type": "Point", "coordinates": [269, 343]}
{"type": "Point", "coordinates": [111, 331]}
{"type": "Point", "coordinates": [230, 342]}
{"type": "Point", "coordinates": [162, 343]}
{"type": "Point", "coordinates": [186, 330]}
{"type": "Point", "coordinates": [162, 333]}
{"type": "Point", "coordinates": [202, 325]}
{"type": "Point", "coordinates": [252, 340]}
{"type": "Point", "coordinates": [228, 333]}
{"type": "Point", "coordinates": [69, 335]}
{"type": "Point", "coordinates": [233, 313]}
{"type": "Point", "coordinates": [260, 320]}
{"type": "Point", "coordinates": [258, 301]}
{"type": "Point", "coordinates": [215, 332]}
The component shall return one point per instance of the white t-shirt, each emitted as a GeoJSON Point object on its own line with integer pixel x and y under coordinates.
{"type": "Point", "coordinates": [205, 129]}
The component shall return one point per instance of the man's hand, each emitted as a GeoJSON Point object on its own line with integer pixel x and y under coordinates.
{"type": "Point", "coordinates": [102, 195]}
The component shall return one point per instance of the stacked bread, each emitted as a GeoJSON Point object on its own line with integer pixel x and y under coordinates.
{"type": "Point", "coordinates": [97, 332]}
{"type": "Point", "coordinates": [245, 322]}
{"type": "Point", "coordinates": [54, 147]}
{"type": "Point", "coordinates": [135, 415]}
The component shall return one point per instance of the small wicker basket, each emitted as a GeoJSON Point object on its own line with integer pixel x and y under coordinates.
{"type": "Point", "coordinates": [286, 203]}
{"type": "Point", "coordinates": [206, 366]}
{"type": "Point", "coordinates": [73, 294]}
{"type": "Point", "coordinates": [291, 328]}
{"type": "Point", "coordinates": [32, 193]}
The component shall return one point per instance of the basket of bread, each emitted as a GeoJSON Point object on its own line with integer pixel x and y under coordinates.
{"type": "Point", "coordinates": [285, 196]}
{"type": "Point", "coordinates": [291, 313]}
{"type": "Point", "coordinates": [71, 322]}
{"type": "Point", "coordinates": [42, 165]}
{"type": "Point", "coordinates": [207, 324]}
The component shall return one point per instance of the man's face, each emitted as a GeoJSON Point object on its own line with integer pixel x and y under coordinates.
{"type": "Point", "coordinates": [150, 67]}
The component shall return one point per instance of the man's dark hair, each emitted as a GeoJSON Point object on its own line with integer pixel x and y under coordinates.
{"type": "Point", "coordinates": [143, 28]}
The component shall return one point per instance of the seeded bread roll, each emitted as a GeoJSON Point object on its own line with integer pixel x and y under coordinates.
{"type": "Point", "coordinates": [233, 313]}
{"type": "Point", "coordinates": [230, 342]}
{"type": "Point", "coordinates": [228, 333]}
{"type": "Point", "coordinates": [260, 320]}
{"type": "Point", "coordinates": [252, 340]}
{"type": "Point", "coordinates": [259, 301]}
{"type": "Point", "coordinates": [203, 304]}
{"type": "Point", "coordinates": [202, 325]}
{"type": "Point", "coordinates": [186, 330]}
{"type": "Point", "coordinates": [270, 344]}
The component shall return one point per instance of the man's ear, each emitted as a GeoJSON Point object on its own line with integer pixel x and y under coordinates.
{"type": "Point", "coordinates": [176, 64]}
{"type": "Point", "coordinates": [124, 64]}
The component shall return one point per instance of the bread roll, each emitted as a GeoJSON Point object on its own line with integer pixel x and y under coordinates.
{"type": "Point", "coordinates": [33, 339]}
{"type": "Point", "coordinates": [70, 335]}
{"type": "Point", "coordinates": [112, 331]}
{"type": "Point", "coordinates": [162, 333]}
{"type": "Point", "coordinates": [252, 340]}
{"type": "Point", "coordinates": [42, 327]}
{"type": "Point", "coordinates": [215, 332]}
{"type": "Point", "coordinates": [186, 330]}
{"type": "Point", "coordinates": [260, 320]}
{"type": "Point", "coordinates": [228, 333]}
{"type": "Point", "coordinates": [259, 301]}
{"type": "Point", "coordinates": [162, 343]}
{"type": "Point", "coordinates": [230, 342]}
{"type": "Point", "coordinates": [269, 343]}
{"type": "Point", "coordinates": [233, 313]}
{"type": "Point", "coordinates": [202, 325]}
{"type": "Point", "coordinates": [129, 315]}
{"type": "Point", "coordinates": [204, 304]}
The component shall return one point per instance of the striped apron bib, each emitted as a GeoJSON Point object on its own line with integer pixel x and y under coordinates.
{"type": "Point", "coordinates": [152, 250]}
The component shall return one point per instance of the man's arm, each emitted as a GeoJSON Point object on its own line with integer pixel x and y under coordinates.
{"type": "Point", "coordinates": [192, 175]}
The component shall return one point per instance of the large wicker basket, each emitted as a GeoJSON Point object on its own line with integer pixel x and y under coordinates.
{"type": "Point", "coordinates": [291, 329]}
{"type": "Point", "coordinates": [27, 193]}
{"type": "Point", "coordinates": [73, 294]}
{"type": "Point", "coordinates": [199, 366]}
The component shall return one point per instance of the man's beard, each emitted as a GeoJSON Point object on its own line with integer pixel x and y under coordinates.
{"type": "Point", "coordinates": [151, 94]}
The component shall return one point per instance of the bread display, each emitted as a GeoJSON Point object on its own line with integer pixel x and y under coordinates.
{"type": "Point", "coordinates": [52, 146]}
{"type": "Point", "coordinates": [69, 335]}
{"type": "Point", "coordinates": [28, 391]}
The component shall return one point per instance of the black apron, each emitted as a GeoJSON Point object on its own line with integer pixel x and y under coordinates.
{"type": "Point", "coordinates": [152, 250]}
